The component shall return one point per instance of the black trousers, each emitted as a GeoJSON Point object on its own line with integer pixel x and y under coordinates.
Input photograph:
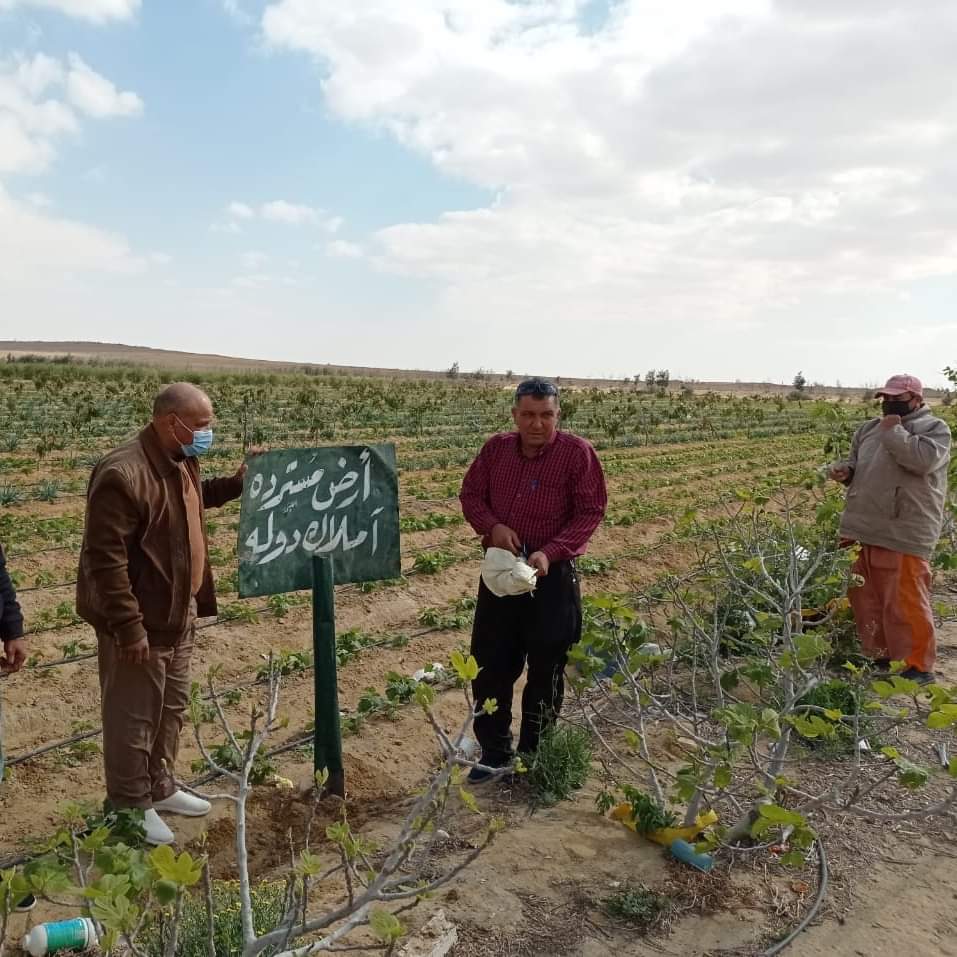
{"type": "Point", "coordinates": [539, 629]}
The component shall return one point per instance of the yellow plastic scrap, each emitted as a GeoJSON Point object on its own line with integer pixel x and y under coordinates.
{"type": "Point", "coordinates": [665, 835]}
{"type": "Point", "coordinates": [834, 606]}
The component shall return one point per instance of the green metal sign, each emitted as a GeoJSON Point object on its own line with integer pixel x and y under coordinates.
{"type": "Point", "coordinates": [300, 504]}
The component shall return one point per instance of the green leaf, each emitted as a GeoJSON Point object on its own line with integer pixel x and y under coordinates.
{"type": "Point", "coordinates": [96, 840]}
{"type": "Point", "coordinates": [116, 914]}
{"type": "Point", "coordinates": [952, 768]}
{"type": "Point", "coordinates": [466, 668]}
{"type": "Point", "coordinates": [809, 648]}
{"type": "Point", "coordinates": [310, 865]}
{"type": "Point", "coordinates": [385, 925]}
{"type": "Point", "coordinates": [896, 686]}
{"type": "Point", "coordinates": [792, 859]}
{"type": "Point", "coordinates": [165, 892]}
{"type": "Point", "coordinates": [108, 887]}
{"type": "Point", "coordinates": [722, 777]}
{"type": "Point", "coordinates": [910, 775]}
{"type": "Point", "coordinates": [730, 680]}
{"type": "Point", "coordinates": [424, 695]}
{"type": "Point", "coordinates": [812, 726]}
{"type": "Point", "coordinates": [770, 723]}
{"type": "Point", "coordinates": [944, 717]}
{"type": "Point", "coordinates": [632, 739]}
{"type": "Point", "coordinates": [779, 815]}
{"type": "Point", "coordinates": [468, 799]}
{"type": "Point", "coordinates": [183, 871]}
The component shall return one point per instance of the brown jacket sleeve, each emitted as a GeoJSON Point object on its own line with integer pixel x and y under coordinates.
{"type": "Point", "coordinates": [219, 491]}
{"type": "Point", "coordinates": [112, 520]}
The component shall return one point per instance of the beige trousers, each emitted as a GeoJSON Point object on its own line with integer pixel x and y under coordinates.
{"type": "Point", "coordinates": [143, 708]}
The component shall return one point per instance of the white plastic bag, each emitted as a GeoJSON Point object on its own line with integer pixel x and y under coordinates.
{"type": "Point", "coordinates": [506, 574]}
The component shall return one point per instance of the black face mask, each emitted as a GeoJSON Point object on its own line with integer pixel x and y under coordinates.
{"type": "Point", "coordinates": [896, 407]}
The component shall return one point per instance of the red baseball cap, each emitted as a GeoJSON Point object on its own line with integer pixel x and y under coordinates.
{"type": "Point", "coordinates": [899, 384]}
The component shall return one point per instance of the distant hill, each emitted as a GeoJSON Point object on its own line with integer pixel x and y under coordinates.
{"type": "Point", "coordinates": [202, 362]}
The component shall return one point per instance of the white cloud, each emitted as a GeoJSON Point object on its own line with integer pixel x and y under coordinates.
{"type": "Point", "coordinates": [341, 249]}
{"type": "Point", "coordinates": [97, 11]}
{"type": "Point", "coordinates": [284, 212]}
{"type": "Point", "coordinates": [37, 248]}
{"type": "Point", "coordinates": [254, 259]}
{"type": "Point", "coordinates": [233, 10]}
{"type": "Point", "coordinates": [240, 211]}
{"type": "Point", "coordinates": [715, 164]}
{"type": "Point", "coordinates": [293, 214]}
{"type": "Point", "coordinates": [95, 95]}
{"type": "Point", "coordinates": [33, 117]}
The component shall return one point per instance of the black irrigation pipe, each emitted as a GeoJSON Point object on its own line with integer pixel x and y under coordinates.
{"type": "Point", "coordinates": [203, 779]}
{"type": "Point", "coordinates": [822, 881]}
{"type": "Point", "coordinates": [641, 552]}
{"type": "Point", "coordinates": [95, 732]}
{"type": "Point", "coordinates": [425, 548]}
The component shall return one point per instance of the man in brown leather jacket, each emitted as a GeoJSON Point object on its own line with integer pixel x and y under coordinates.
{"type": "Point", "coordinates": [144, 577]}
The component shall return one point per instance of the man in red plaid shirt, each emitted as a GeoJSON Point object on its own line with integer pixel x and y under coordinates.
{"type": "Point", "coordinates": [539, 493]}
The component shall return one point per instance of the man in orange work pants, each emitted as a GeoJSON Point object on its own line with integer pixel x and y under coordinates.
{"type": "Point", "coordinates": [892, 609]}
{"type": "Point", "coordinates": [896, 478]}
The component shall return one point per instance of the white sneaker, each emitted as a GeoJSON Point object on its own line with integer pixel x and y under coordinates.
{"type": "Point", "coordinates": [156, 830]}
{"type": "Point", "coordinates": [179, 802]}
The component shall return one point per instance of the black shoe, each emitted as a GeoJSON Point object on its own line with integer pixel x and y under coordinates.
{"type": "Point", "coordinates": [27, 904]}
{"type": "Point", "coordinates": [481, 776]}
{"type": "Point", "coordinates": [882, 664]}
{"type": "Point", "coordinates": [921, 677]}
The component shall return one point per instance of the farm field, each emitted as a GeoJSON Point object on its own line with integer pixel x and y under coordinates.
{"type": "Point", "coordinates": [675, 463]}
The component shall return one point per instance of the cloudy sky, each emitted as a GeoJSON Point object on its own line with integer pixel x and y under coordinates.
{"type": "Point", "coordinates": [724, 188]}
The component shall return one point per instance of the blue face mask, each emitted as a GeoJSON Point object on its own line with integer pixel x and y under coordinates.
{"type": "Point", "coordinates": [202, 441]}
{"type": "Point", "coordinates": [201, 444]}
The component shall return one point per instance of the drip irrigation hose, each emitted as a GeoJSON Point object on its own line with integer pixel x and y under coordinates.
{"type": "Point", "coordinates": [822, 872]}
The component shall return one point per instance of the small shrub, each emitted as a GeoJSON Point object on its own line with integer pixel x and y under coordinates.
{"type": "Point", "coordinates": [228, 758]}
{"type": "Point", "coordinates": [648, 813]}
{"type": "Point", "coordinates": [10, 495]}
{"type": "Point", "coordinates": [48, 490]}
{"type": "Point", "coordinates": [268, 900]}
{"type": "Point", "coordinates": [561, 764]}
{"type": "Point", "coordinates": [285, 663]}
{"type": "Point", "coordinates": [429, 563]}
{"type": "Point", "coordinates": [637, 905]}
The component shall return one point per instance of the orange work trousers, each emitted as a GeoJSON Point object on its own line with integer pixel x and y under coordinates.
{"type": "Point", "coordinates": [892, 608]}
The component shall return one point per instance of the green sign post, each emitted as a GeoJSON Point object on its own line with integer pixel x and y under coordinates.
{"type": "Point", "coordinates": [311, 518]}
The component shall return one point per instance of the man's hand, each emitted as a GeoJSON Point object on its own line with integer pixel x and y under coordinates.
{"type": "Point", "coordinates": [838, 472]}
{"type": "Point", "coordinates": [890, 421]}
{"type": "Point", "coordinates": [253, 451]}
{"type": "Point", "coordinates": [14, 656]}
{"type": "Point", "coordinates": [137, 654]}
{"type": "Point", "coordinates": [539, 561]}
{"type": "Point", "coordinates": [503, 537]}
